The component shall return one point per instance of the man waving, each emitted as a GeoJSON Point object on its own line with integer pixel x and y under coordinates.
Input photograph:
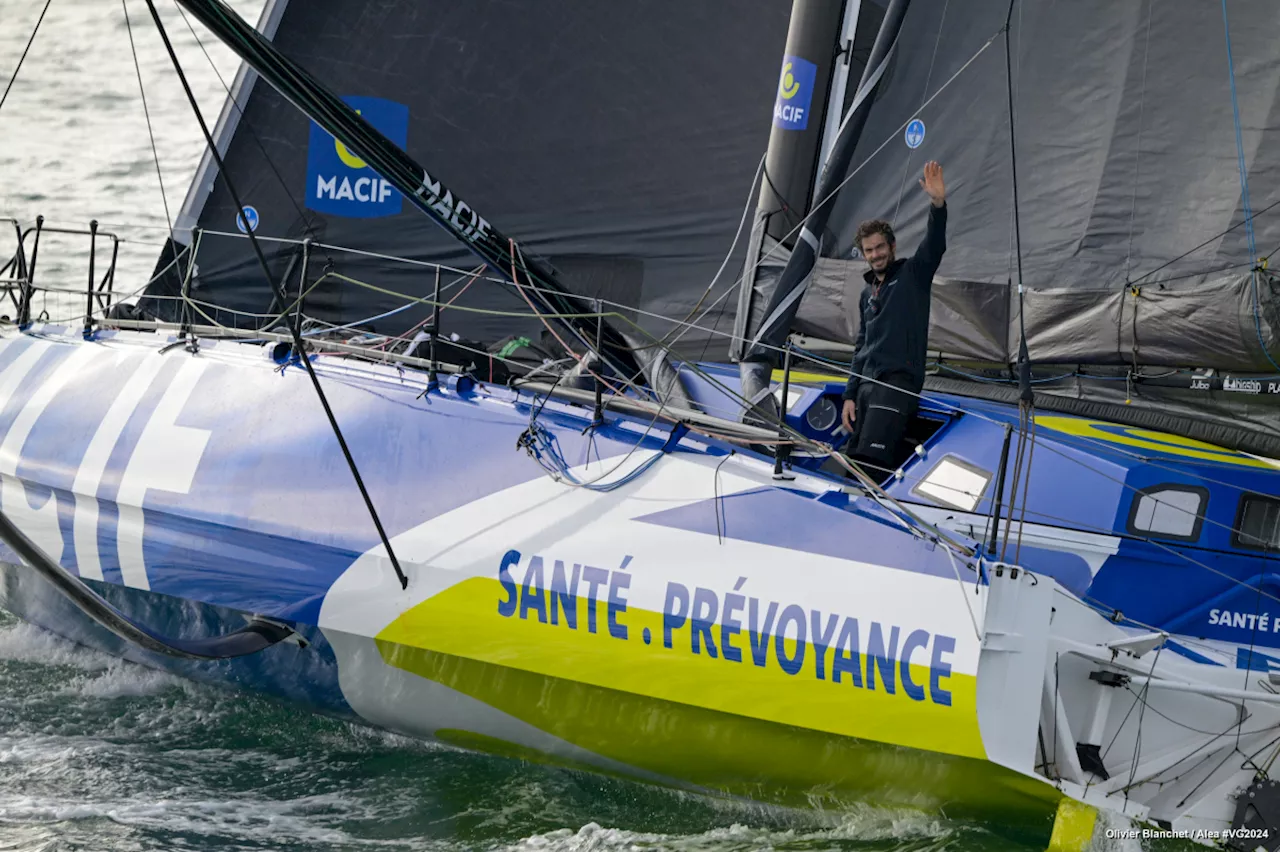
{"type": "Point", "coordinates": [888, 363]}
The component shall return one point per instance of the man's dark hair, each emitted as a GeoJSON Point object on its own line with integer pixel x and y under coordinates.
{"type": "Point", "coordinates": [872, 227]}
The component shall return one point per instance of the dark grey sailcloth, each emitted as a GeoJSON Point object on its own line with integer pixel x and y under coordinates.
{"type": "Point", "coordinates": [619, 143]}
{"type": "Point", "coordinates": [1144, 207]}
{"type": "Point", "coordinates": [785, 298]}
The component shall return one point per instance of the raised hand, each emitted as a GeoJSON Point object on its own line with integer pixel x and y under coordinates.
{"type": "Point", "coordinates": [933, 184]}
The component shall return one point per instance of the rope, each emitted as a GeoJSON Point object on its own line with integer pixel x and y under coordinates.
{"type": "Point", "coordinates": [155, 154]}
{"type": "Point", "coordinates": [302, 214]}
{"type": "Point", "coordinates": [282, 299]}
{"type": "Point", "coordinates": [1137, 159]}
{"type": "Point", "coordinates": [23, 57]}
{"type": "Point", "coordinates": [928, 78]}
{"type": "Point", "coordinates": [1244, 187]}
{"type": "Point", "coordinates": [733, 394]}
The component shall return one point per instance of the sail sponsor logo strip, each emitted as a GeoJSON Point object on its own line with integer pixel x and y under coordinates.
{"type": "Point", "coordinates": [340, 183]}
{"type": "Point", "coordinates": [795, 93]}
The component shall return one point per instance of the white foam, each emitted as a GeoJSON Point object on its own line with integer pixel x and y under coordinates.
{"type": "Point", "coordinates": [25, 643]}
{"type": "Point", "coordinates": [858, 824]}
{"type": "Point", "coordinates": [1110, 822]}
{"type": "Point", "coordinates": [121, 678]}
{"type": "Point", "coordinates": [306, 820]}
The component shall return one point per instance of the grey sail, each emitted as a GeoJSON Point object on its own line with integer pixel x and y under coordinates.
{"type": "Point", "coordinates": [619, 144]}
{"type": "Point", "coordinates": [1141, 218]}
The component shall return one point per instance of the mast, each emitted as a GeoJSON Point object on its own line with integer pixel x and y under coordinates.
{"type": "Point", "coordinates": [839, 83]}
{"type": "Point", "coordinates": [504, 255]}
{"type": "Point", "coordinates": [785, 298]}
{"type": "Point", "coordinates": [798, 116]}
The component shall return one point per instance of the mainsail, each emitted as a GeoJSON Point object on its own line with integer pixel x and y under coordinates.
{"type": "Point", "coordinates": [1148, 194]}
{"type": "Point", "coordinates": [617, 143]}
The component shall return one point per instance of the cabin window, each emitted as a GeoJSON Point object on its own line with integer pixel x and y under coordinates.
{"type": "Point", "coordinates": [1169, 511]}
{"type": "Point", "coordinates": [954, 483]}
{"type": "Point", "coordinates": [1258, 523]}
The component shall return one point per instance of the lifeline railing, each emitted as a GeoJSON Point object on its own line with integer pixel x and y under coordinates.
{"type": "Point", "coordinates": [21, 273]}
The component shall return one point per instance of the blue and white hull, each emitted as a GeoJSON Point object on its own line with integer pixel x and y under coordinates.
{"type": "Point", "coordinates": [701, 624]}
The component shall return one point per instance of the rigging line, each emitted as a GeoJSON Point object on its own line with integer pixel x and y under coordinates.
{"type": "Point", "coordinates": [1013, 488]}
{"type": "Point", "coordinates": [719, 504]}
{"type": "Point", "coordinates": [409, 261]}
{"type": "Point", "coordinates": [1137, 154]}
{"type": "Point", "coordinates": [1017, 553]}
{"type": "Point", "coordinates": [733, 395]}
{"type": "Point", "coordinates": [942, 403]}
{"type": "Point", "coordinates": [23, 57]}
{"type": "Point", "coordinates": [195, 305]}
{"type": "Point", "coordinates": [590, 485]}
{"type": "Point", "coordinates": [283, 298]}
{"type": "Point", "coordinates": [1150, 779]}
{"type": "Point", "coordinates": [1116, 617]}
{"type": "Point", "coordinates": [1247, 220]}
{"type": "Point", "coordinates": [1157, 544]}
{"type": "Point", "coordinates": [407, 336]}
{"type": "Point", "coordinates": [511, 244]}
{"type": "Point", "coordinates": [155, 154]}
{"type": "Point", "coordinates": [1244, 190]}
{"type": "Point", "coordinates": [302, 214]}
{"type": "Point", "coordinates": [906, 165]}
{"type": "Point", "coordinates": [1013, 162]}
{"type": "Point", "coordinates": [1137, 739]}
{"type": "Point", "coordinates": [854, 172]}
{"type": "Point", "coordinates": [751, 193]}
{"type": "Point", "coordinates": [1235, 108]}
{"type": "Point", "coordinates": [1253, 641]}
{"type": "Point", "coordinates": [951, 556]}
{"type": "Point", "coordinates": [561, 473]}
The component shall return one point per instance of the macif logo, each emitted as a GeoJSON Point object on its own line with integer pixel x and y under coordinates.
{"type": "Point", "coordinates": [338, 181]}
{"type": "Point", "coordinates": [795, 90]}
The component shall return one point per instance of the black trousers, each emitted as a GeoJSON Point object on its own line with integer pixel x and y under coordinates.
{"type": "Point", "coordinates": [883, 413]}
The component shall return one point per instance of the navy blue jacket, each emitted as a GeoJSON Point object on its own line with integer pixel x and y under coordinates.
{"type": "Point", "coordinates": [894, 329]}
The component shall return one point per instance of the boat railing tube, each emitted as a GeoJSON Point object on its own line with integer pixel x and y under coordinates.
{"type": "Point", "coordinates": [250, 639]}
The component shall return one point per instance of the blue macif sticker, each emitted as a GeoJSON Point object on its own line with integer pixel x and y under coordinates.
{"type": "Point", "coordinates": [339, 182]}
{"type": "Point", "coordinates": [795, 91]}
{"type": "Point", "coordinates": [915, 133]}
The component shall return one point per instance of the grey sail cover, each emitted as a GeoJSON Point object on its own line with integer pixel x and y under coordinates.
{"type": "Point", "coordinates": [1127, 163]}
{"type": "Point", "coordinates": [619, 142]}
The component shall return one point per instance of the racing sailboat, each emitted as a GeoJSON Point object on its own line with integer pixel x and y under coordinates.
{"type": "Point", "coordinates": [357, 448]}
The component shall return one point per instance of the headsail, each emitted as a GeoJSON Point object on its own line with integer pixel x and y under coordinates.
{"type": "Point", "coordinates": [620, 145]}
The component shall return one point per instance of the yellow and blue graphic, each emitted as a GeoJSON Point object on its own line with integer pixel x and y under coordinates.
{"type": "Point", "coordinates": [1131, 438]}
{"type": "Point", "coordinates": [795, 91]}
{"type": "Point", "coordinates": [339, 182]}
